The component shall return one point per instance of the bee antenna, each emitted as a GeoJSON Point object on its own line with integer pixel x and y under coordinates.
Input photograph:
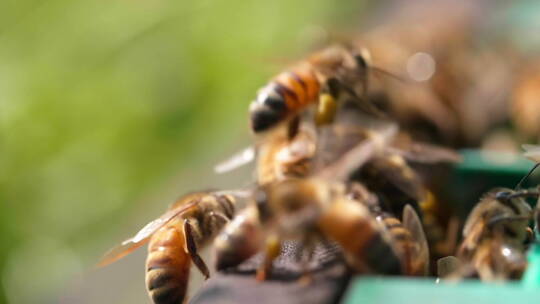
{"type": "Point", "coordinates": [518, 186]}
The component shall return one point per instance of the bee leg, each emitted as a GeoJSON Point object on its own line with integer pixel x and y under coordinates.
{"type": "Point", "coordinates": [272, 250]}
{"type": "Point", "coordinates": [192, 250]}
{"type": "Point", "coordinates": [293, 127]}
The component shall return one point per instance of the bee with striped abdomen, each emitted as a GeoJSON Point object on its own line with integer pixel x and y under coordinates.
{"type": "Point", "coordinates": [407, 235]}
{"type": "Point", "coordinates": [318, 79]}
{"type": "Point", "coordinates": [313, 209]}
{"type": "Point", "coordinates": [409, 240]}
{"type": "Point", "coordinates": [495, 234]}
{"type": "Point", "coordinates": [241, 239]}
{"type": "Point", "coordinates": [174, 240]}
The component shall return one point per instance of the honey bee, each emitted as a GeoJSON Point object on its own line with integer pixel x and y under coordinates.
{"type": "Point", "coordinates": [494, 235]}
{"type": "Point", "coordinates": [340, 149]}
{"type": "Point", "coordinates": [407, 235]}
{"type": "Point", "coordinates": [409, 240]}
{"type": "Point", "coordinates": [174, 240]}
{"type": "Point", "coordinates": [311, 209]}
{"type": "Point", "coordinates": [255, 221]}
{"type": "Point", "coordinates": [441, 238]}
{"type": "Point", "coordinates": [525, 109]}
{"type": "Point", "coordinates": [241, 239]}
{"type": "Point", "coordinates": [280, 158]}
{"type": "Point", "coordinates": [328, 153]}
{"type": "Point", "coordinates": [317, 79]}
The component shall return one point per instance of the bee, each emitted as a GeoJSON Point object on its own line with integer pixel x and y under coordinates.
{"type": "Point", "coordinates": [241, 239]}
{"type": "Point", "coordinates": [442, 237]}
{"type": "Point", "coordinates": [279, 158]}
{"type": "Point", "coordinates": [340, 149]}
{"type": "Point", "coordinates": [311, 209]}
{"type": "Point", "coordinates": [237, 229]}
{"type": "Point", "coordinates": [494, 235]}
{"type": "Point", "coordinates": [174, 240]}
{"type": "Point", "coordinates": [525, 109]}
{"type": "Point", "coordinates": [391, 176]}
{"type": "Point", "coordinates": [315, 80]}
{"type": "Point", "coordinates": [407, 234]}
{"type": "Point", "coordinates": [409, 240]}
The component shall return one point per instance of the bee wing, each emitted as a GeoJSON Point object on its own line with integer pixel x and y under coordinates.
{"type": "Point", "coordinates": [351, 154]}
{"type": "Point", "coordinates": [381, 73]}
{"type": "Point", "coordinates": [447, 266]}
{"type": "Point", "coordinates": [411, 222]}
{"type": "Point", "coordinates": [238, 193]}
{"type": "Point", "coordinates": [427, 153]}
{"type": "Point", "coordinates": [236, 161]}
{"type": "Point", "coordinates": [532, 152]}
{"type": "Point", "coordinates": [142, 237]}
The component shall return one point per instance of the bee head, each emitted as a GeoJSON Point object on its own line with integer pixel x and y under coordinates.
{"type": "Point", "coordinates": [267, 110]}
{"type": "Point", "coordinates": [503, 196]}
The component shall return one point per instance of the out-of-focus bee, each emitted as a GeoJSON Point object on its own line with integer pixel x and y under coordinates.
{"type": "Point", "coordinates": [313, 209]}
{"type": "Point", "coordinates": [390, 175]}
{"type": "Point", "coordinates": [239, 229]}
{"type": "Point", "coordinates": [241, 239]}
{"type": "Point", "coordinates": [495, 234]}
{"type": "Point", "coordinates": [280, 157]}
{"type": "Point", "coordinates": [407, 235]}
{"type": "Point", "coordinates": [174, 239]}
{"type": "Point", "coordinates": [442, 236]}
{"type": "Point", "coordinates": [525, 108]}
{"type": "Point", "coordinates": [316, 79]}
{"type": "Point", "coordinates": [341, 148]}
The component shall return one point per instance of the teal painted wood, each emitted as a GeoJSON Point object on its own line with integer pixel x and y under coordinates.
{"type": "Point", "coordinates": [372, 290]}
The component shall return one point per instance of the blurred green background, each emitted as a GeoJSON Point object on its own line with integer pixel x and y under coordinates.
{"type": "Point", "coordinates": [111, 109]}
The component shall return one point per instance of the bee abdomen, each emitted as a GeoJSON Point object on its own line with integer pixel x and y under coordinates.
{"type": "Point", "coordinates": [369, 250]}
{"type": "Point", "coordinates": [381, 257]}
{"type": "Point", "coordinates": [299, 87]}
{"type": "Point", "coordinates": [167, 267]}
{"type": "Point", "coordinates": [240, 240]}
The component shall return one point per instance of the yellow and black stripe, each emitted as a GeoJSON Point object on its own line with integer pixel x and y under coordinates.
{"type": "Point", "coordinates": [287, 94]}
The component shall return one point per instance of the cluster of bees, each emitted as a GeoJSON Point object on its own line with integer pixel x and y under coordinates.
{"type": "Point", "coordinates": [346, 154]}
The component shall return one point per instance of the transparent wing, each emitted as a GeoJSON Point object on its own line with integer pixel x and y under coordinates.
{"type": "Point", "coordinates": [239, 193]}
{"type": "Point", "coordinates": [427, 153]}
{"type": "Point", "coordinates": [382, 73]}
{"type": "Point", "coordinates": [412, 222]}
{"type": "Point", "coordinates": [355, 157]}
{"type": "Point", "coordinates": [532, 152]}
{"type": "Point", "coordinates": [142, 237]}
{"type": "Point", "coordinates": [236, 161]}
{"type": "Point", "coordinates": [447, 266]}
